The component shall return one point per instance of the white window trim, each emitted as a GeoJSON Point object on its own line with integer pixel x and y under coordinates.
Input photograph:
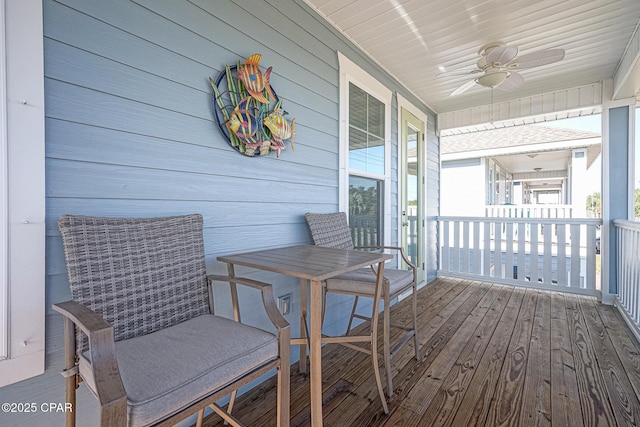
{"type": "Point", "coordinates": [4, 202]}
{"type": "Point", "coordinates": [411, 108]}
{"type": "Point", "coordinates": [22, 275]}
{"type": "Point", "coordinates": [352, 73]}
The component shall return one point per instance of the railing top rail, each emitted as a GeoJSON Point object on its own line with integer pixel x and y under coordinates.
{"type": "Point", "coordinates": [531, 206]}
{"type": "Point", "coordinates": [629, 225]}
{"type": "Point", "coordinates": [587, 221]}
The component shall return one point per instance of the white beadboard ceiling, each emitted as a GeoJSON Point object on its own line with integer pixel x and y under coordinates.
{"type": "Point", "coordinates": [416, 39]}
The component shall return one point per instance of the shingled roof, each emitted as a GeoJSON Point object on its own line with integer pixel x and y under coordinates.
{"type": "Point", "coordinates": [513, 136]}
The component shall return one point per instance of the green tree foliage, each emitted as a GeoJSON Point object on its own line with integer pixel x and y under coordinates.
{"type": "Point", "coordinates": [594, 205]}
{"type": "Point", "coordinates": [636, 206]}
{"type": "Point", "coordinates": [363, 201]}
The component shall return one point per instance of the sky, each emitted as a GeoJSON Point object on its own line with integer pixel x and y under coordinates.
{"type": "Point", "coordinates": [593, 123]}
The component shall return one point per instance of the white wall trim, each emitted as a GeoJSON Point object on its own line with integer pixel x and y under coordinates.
{"type": "Point", "coordinates": [4, 201]}
{"type": "Point", "coordinates": [352, 73]}
{"type": "Point", "coordinates": [24, 132]}
{"type": "Point", "coordinates": [420, 115]}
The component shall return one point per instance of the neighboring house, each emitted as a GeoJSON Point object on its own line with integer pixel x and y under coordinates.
{"type": "Point", "coordinates": [520, 165]}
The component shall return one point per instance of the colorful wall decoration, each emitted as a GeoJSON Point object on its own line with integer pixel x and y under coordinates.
{"type": "Point", "coordinates": [248, 110]}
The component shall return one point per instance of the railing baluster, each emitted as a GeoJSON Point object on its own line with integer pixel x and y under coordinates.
{"type": "Point", "coordinates": [477, 255]}
{"type": "Point", "coordinates": [546, 255]}
{"type": "Point", "coordinates": [534, 262]}
{"type": "Point", "coordinates": [634, 279]}
{"type": "Point", "coordinates": [522, 252]}
{"type": "Point", "coordinates": [497, 251]}
{"type": "Point", "coordinates": [508, 269]}
{"type": "Point", "coordinates": [465, 247]}
{"type": "Point", "coordinates": [590, 279]}
{"type": "Point", "coordinates": [487, 249]}
{"type": "Point", "coordinates": [456, 246]}
{"type": "Point", "coordinates": [445, 247]}
{"type": "Point", "coordinates": [575, 255]}
{"type": "Point", "coordinates": [561, 257]}
{"type": "Point", "coordinates": [625, 241]}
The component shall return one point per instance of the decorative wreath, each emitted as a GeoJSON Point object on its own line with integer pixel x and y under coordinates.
{"type": "Point", "coordinates": [248, 111]}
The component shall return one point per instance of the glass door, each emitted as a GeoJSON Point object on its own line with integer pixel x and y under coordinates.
{"type": "Point", "coordinates": [412, 190]}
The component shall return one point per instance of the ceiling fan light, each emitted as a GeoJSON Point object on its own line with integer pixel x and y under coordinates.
{"type": "Point", "coordinates": [492, 79]}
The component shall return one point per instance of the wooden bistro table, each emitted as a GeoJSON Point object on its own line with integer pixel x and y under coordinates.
{"type": "Point", "coordinates": [313, 264]}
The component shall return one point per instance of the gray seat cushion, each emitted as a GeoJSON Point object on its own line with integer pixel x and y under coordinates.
{"type": "Point", "coordinates": [193, 358]}
{"type": "Point", "coordinates": [363, 281]}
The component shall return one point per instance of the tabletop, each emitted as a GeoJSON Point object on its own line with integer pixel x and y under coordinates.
{"type": "Point", "coordinates": [306, 261]}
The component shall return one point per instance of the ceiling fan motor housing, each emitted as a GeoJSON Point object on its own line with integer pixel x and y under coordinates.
{"type": "Point", "coordinates": [499, 63]}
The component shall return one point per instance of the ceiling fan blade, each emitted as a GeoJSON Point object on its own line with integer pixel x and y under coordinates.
{"type": "Point", "coordinates": [536, 59]}
{"type": "Point", "coordinates": [465, 87]}
{"type": "Point", "coordinates": [458, 73]}
{"type": "Point", "coordinates": [502, 54]}
{"type": "Point", "coordinates": [514, 81]}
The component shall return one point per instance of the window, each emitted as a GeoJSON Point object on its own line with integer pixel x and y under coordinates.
{"type": "Point", "coordinates": [366, 132]}
{"type": "Point", "coordinates": [365, 209]}
{"type": "Point", "coordinates": [365, 190]}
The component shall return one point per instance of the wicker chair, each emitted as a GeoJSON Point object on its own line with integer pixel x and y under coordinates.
{"type": "Point", "coordinates": [140, 330]}
{"type": "Point", "coordinates": [332, 230]}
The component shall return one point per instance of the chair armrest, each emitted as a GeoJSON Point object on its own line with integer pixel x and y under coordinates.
{"type": "Point", "coordinates": [397, 248]}
{"type": "Point", "coordinates": [106, 376]}
{"type": "Point", "coordinates": [268, 299]}
{"type": "Point", "coordinates": [90, 322]}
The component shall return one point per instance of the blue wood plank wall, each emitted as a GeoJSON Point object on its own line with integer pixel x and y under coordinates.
{"type": "Point", "coordinates": [129, 132]}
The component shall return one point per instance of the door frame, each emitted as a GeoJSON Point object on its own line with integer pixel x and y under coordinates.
{"type": "Point", "coordinates": [411, 108]}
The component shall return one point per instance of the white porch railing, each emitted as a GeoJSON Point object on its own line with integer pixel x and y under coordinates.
{"type": "Point", "coordinates": [556, 254]}
{"type": "Point", "coordinates": [529, 211]}
{"type": "Point", "coordinates": [628, 271]}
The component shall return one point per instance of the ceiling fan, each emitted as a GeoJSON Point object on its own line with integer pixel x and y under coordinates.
{"type": "Point", "coordinates": [498, 65]}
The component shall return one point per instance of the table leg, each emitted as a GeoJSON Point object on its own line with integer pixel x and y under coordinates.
{"type": "Point", "coordinates": [303, 325]}
{"type": "Point", "coordinates": [315, 353]}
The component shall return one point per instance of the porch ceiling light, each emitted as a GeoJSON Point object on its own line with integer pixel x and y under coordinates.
{"type": "Point", "coordinates": [492, 79]}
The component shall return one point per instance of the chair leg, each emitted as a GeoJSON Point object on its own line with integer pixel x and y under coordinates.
{"type": "Point", "coordinates": [71, 399]}
{"type": "Point", "coordinates": [217, 409]}
{"type": "Point", "coordinates": [386, 345]}
{"type": "Point", "coordinates": [324, 305]}
{"type": "Point", "coordinates": [376, 372]}
{"type": "Point", "coordinates": [200, 417]}
{"type": "Point", "coordinates": [374, 348]}
{"type": "Point", "coordinates": [232, 400]}
{"type": "Point", "coordinates": [353, 312]}
{"type": "Point", "coordinates": [71, 379]}
{"type": "Point", "coordinates": [284, 383]}
{"type": "Point", "coordinates": [416, 341]}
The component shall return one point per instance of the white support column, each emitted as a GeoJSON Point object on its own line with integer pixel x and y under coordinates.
{"type": "Point", "coordinates": [617, 149]}
{"type": "Point", "coordinates": [579, 182]}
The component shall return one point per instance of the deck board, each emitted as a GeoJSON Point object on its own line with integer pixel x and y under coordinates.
{"type": "Point", "coordinates": [536, 398]}
{"type": "Point", "coordinates": [489, 355]}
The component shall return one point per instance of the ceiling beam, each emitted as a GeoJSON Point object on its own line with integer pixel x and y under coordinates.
{"type": "Point", "coordinates": [626, 80]}
{"type": "Point", "coordinates": [582, 100]}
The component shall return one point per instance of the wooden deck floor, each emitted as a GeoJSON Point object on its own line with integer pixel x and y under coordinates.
{"type": "Point", "coordinates": [490, 355]}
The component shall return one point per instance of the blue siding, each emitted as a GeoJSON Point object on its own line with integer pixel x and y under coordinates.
{"type": "Point", "coordinates": [129, 132]}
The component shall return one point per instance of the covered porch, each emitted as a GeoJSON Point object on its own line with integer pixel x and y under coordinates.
{"type": "Point", "coordinates": [109, 111]}
{"type": "Point", "coordinates": [491, 355]}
